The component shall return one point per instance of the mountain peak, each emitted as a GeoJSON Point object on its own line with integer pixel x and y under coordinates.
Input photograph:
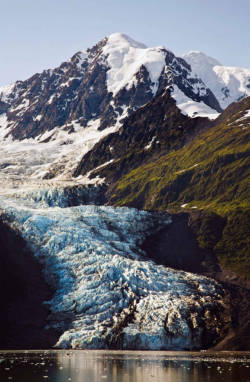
{"type": "Point", "coordinates": [125, 57]}
{"type": "Point", "coordinates": [120, 39]}
{"type": "Point", "coordinates": [228, 84]}
{"type": "Point", "coordinates": [200, 58]}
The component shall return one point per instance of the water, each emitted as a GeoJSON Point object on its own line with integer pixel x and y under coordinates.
{"type": "Point", "coordinates": [123, 366]}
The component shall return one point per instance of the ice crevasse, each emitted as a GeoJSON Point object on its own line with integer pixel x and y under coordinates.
{"type": "Point", "coordinates": [107, 293]}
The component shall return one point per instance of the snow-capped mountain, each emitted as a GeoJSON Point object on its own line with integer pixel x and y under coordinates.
{"type": "Point", "coordinates": [228, 84]}
{"type": "Point", "coordinates": [51, 120]}
{"type": "Point", "coordinates": [108, 82]}
{"type": "Point", "coordinates": [60, 114]}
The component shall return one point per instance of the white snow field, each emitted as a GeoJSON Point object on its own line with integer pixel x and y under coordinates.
{"type": "Point", "coordinates": [192, 108]}
{"type": "Point", "coordinates": [30, 159]}
{"type": "Point", "coordinates": [228, 83]}
{"type": "Point", "coordinates": [107, 294]}
{"type": "Point", "coordinates": [125, 58]}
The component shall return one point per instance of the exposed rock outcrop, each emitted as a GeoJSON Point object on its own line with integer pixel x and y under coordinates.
{"type": "Point", "coordinates": [23, 291]}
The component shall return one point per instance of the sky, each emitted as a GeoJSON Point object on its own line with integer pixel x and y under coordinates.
{"type": "Point", "coordinates": [40, 34]}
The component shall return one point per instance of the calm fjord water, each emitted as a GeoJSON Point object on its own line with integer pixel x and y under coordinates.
{"type": "Point", "coordinates": [124, 366]}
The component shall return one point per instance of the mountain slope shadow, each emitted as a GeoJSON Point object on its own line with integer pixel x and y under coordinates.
{"type": "Point", "coordinates": [176, 246]}
{"type": "Point", "coordinates": [22, 293]}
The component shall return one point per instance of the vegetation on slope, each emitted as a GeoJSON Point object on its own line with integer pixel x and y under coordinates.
{"type": "Point", "coordinates": [151, 131]}
{"type": "Point", "coordinates": [212, 173]}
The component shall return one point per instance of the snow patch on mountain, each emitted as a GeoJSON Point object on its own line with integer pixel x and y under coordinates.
{"type": "Point", "coordinates": [4, 128]}
{"type": "Point", "coordinates": [125, 58]}
{"type": "Point", "coordinates": [55, 152]}
{"type": "Point", "coordinates": [228, 84]}
{"type": "Point", "coordinates": [236, 80]}
{"type": "Point", "coordinates": [5, 92]}
{"type": "Point", "coordinates": [192, 108]}
{"type": "Point", "coordinates": [81, 57]}
{"type": "Point", "coordinates": [245, 116]}
{"type": "Point", "coordinates": [199, 59]}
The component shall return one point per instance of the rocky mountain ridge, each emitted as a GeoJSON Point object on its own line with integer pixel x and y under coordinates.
{"type": "Point", "coordinates": [151, 131]}
{"type": "Point", "coordinates": [65, 111]}
{"type": "Point", "coordinates": [108, 81]}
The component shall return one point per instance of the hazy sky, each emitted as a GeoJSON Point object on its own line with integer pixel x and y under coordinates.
{"type": "Point", "coordinates": [40, 34]}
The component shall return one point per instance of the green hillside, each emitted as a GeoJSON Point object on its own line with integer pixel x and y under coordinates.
{"type": "Point", "coordinates": [211, 172]}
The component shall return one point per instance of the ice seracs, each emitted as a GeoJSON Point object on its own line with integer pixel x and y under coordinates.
{"type": "Point", "coordinates": [107, 294]}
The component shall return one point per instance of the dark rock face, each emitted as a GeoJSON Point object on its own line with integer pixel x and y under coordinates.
{"type": "Point", "coordinates": [234, 112]}
{"type": "Point", "coordinates": [150, 131]}
{"type": "Point", "coordinates": [3, 107]}
{"type": "Point", "coordinates": [70, 196]}
{"type": "Point", "coordinates": [23, 291]}
{"type": "Point", "coordinates": [178, 72]}
{"type": "Point", "coordinates": [166, 248]}
{"type": "Point", "coordinates": [56, 97]}
{"type": "Point", "coordinates": [238, 337]}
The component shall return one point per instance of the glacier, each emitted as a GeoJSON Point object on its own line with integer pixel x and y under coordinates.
{"type": "Point", "coordinates": [108, 293]}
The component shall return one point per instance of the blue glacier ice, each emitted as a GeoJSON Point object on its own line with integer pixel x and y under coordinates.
{"type": "Point", "coordinates": [107, 293]}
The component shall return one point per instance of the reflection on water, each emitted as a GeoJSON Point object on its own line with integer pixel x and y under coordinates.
{"type": "Point", "coordinates": [123, 366]}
